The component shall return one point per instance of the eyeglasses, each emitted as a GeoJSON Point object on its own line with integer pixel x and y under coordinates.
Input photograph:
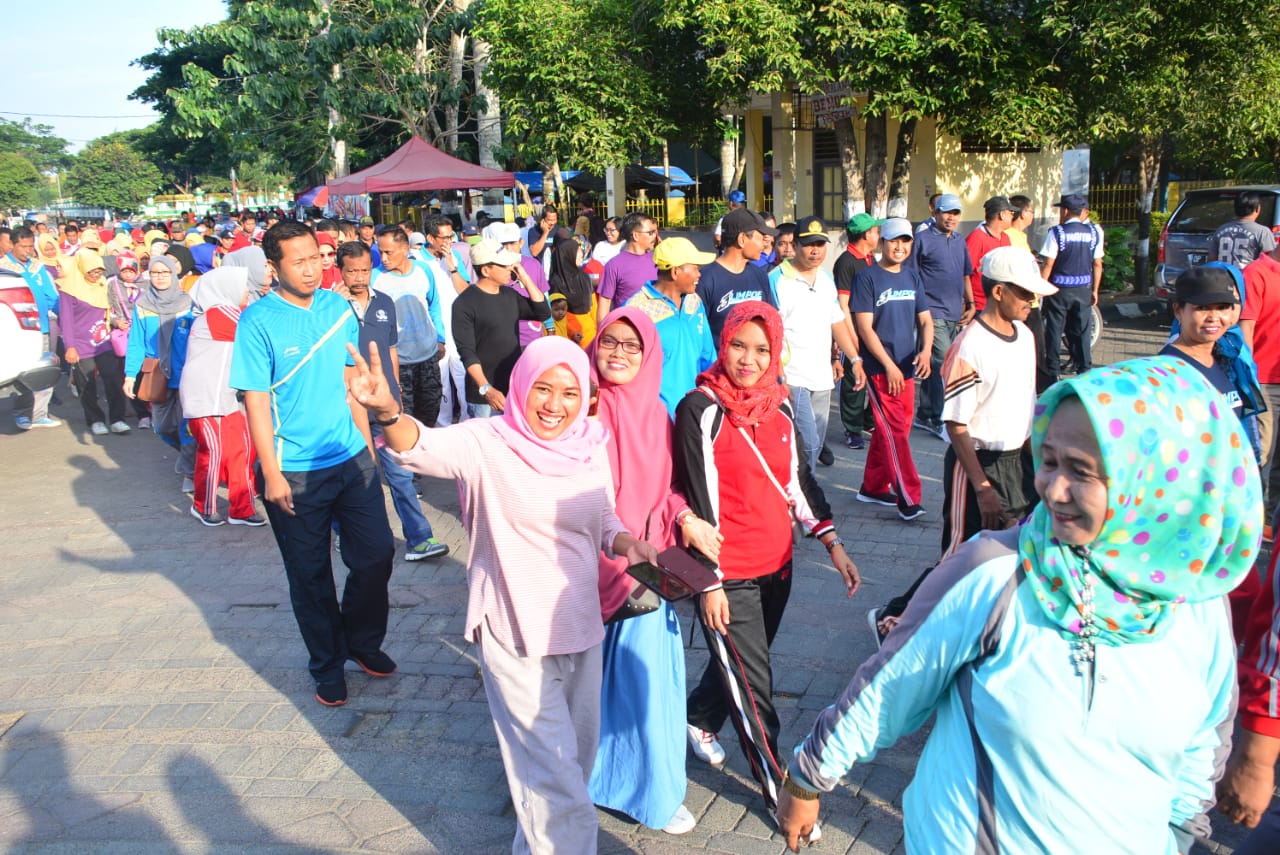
{"type": "Point", "coordinates": [632, 347]}
{"type": "Point", "coordinates": [649, 232]}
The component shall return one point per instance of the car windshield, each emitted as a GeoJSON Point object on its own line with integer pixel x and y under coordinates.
{"type": "Point", "coordinates": [1204, 212]}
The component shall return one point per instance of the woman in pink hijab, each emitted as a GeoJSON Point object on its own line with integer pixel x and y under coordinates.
{"type": "Point", "coordinates": [538, 506]}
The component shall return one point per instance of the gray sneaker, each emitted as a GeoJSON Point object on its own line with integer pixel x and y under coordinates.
{"type": "Point", "coordinates": [188, 486]}
{"type": "Point", "coordinates": [212, 519]}
{"type": "Point", "coordinates": [429, 548]}
{"type": "Point", "coordinates": [99, 429]}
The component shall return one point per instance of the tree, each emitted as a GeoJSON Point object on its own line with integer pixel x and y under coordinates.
{"type": "Point", "coordinates": [312, 82]}
{"type": "Point", "coordinates": [1154, 74]}
{"type": "Point", "coordinates": [37, 143]}
{"type": "Point", "coordinates": [112, 173]}
{"type": "Point", "coordinates": [20, 181]}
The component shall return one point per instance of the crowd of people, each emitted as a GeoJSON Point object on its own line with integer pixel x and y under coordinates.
{"type": "Point", "coordinates": [603, 396]}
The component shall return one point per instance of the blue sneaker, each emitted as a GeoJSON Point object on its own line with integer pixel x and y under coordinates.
{"type": "Point", "coordinates": [22, 422]}
{"type": "Point", "coordinates": [46, 422]}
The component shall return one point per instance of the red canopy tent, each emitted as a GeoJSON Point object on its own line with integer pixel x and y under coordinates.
{"type": "Point", "coordinates": [418, 165]}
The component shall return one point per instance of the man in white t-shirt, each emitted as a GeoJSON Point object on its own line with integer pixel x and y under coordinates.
{"type": "Point", "coordinates": [811, 319]}
{"type": "Point", "coordinates": [989, 398]}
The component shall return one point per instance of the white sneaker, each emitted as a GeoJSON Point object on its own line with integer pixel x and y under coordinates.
{"type": "Point", "coordinates": [706, 746]}
{"type": "Point", "coordinates": [120, 427]}
{"type": "Point", "coordinates": [99, 428]}
{"type": "Point", "coordinates": [682, 823]}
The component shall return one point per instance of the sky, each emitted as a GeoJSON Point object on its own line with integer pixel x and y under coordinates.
{"type": "Point", "coordinates": [73, 59]}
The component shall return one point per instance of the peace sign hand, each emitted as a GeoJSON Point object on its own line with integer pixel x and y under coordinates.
{"type": "Point", "coordinates": [368, 385]}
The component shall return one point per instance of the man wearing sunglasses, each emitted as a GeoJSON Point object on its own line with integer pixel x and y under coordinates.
{"type": "Point", "coordinates": [989, 382]}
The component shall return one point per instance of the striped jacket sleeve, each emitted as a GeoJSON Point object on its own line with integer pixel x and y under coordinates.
{"type": "Point", "coordinates": [1259, 665]}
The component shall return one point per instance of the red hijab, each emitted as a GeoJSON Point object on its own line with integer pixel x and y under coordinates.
{"type": "Point", "coordinates": [747, 407]}
{"type": "Point", "coordinates": [331, 277]}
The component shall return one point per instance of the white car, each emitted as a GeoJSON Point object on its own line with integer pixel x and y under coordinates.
{"type": "Point", "coordinates": [23, 361]}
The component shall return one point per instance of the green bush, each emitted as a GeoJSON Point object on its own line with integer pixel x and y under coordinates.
{"type": "Point", "coordinates": [1117, 266]}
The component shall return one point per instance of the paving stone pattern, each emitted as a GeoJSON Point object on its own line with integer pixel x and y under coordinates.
{"type": "Point", "coordinates": [155, 696]}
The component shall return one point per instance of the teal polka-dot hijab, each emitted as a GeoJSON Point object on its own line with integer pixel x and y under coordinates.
{"type": "Point", "coordinates": [1184, 503]}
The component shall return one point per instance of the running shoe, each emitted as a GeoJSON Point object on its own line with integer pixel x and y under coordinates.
{"type": "Point", "coordinates": [889, 500]}
{"type": "Point", "coordinates": [429, 548]}
{"type": "Point", "coordinates": [706, 746]}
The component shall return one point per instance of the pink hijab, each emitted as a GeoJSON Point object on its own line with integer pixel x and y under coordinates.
{"type": "Point", "coordinates": [639, 452]}
{"type": "Point", "coordinates": [580, 441]}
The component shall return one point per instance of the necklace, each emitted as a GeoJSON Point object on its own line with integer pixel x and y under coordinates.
{"type": "Point", "coordinates": [1082, 647]}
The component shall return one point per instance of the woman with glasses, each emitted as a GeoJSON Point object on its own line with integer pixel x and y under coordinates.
{"type": "Point", "coordinates": [639, 768]}
{"type": "Point", "coordinates": [605, 250]}
{"type": "Point", "coordinates": [330, 273]}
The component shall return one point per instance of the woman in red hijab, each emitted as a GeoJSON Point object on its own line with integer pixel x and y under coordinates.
{"type": "Point", "coordinates": [737, 462]}
{"type": "Point", "coordinates": [330, 273]}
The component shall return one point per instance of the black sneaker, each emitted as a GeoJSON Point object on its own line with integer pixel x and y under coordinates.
{"type": "Point", "coordinates": [825, 456]}
{"type": "Point", "coordinates": [910, 512]}
{"type": "Point", "coordinates": [889, 500]}
{"type": "Point", "coordinates": [332, 693]}
{"type": "Point", "coordinates": [212, 519]}
{"type": "Point", "coordinates": [376, 664]}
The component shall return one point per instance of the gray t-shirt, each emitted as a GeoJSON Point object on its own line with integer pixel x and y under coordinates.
{"type": "Point", "coordinates": [1240, 242]}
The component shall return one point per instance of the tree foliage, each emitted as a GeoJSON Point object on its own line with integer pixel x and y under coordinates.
{"type": "Point", "coordinates": [292, 77]}
{"type": "Point", "coordinates": [20, 181]}
{"type": "Point", "coordinates": [112, 173]}
{"type": "Point", "coordinates": [37, 143]}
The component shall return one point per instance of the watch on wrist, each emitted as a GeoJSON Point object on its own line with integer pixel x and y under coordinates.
{"type": "Point", "coordinates": [484, 390]}
{"type": "Point", "coordinates": [797, 791]}
{"type": "Point", "coordinates": [835, 541]}
{"type": "Point", "coordinates": [387, 422]}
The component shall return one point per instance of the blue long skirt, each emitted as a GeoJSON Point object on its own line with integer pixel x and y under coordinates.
{"type": "Point", "coordinates": [639, 768]}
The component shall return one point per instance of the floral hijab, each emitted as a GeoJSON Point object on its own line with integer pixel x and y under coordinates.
{"type": "Point", "coordinates": [1184, 515]}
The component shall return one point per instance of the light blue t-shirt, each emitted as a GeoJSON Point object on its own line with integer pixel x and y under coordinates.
{"type": "Point", "coordinates": [298, 355]}
{"type": "Point", "coordinates": [685, 333]}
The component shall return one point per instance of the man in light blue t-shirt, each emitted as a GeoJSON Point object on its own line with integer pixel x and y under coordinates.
{"type": "Point", "coordinates": [316, 461]}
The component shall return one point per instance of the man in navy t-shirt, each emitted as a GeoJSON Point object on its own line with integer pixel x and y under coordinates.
{"type": "Point", "coordinates": [733, 278]}
{"type": "Point", "coordinates": [889, 306]}
{"type": "Point", "coordinates": [316, 458]}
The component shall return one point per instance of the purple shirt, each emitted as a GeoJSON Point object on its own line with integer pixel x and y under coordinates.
{"type": "Point", "coordinates": [83, 326]}
{"type": "Point", "coordinates": [530, 330]}
{"type": "Point", "coordinates": [624, 276]}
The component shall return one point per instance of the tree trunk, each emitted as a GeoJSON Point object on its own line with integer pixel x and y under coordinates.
{"type": "Point", "coordinates": [1150, 148]}
{"type": "Point", "coordinates": [900, 182]}
{"type": "Point", "coordinates": [729, 177]}
{"type": "Point", "coordinates": [877, 164]}
{"type": "Point", "coordinates": [457, 55]}
{"type": "Point", "coordinates": [340, 166]}
{"type": "Point", "coordinates": [489, 121]}
{"type": "Point", "coordinates": [851, 164]}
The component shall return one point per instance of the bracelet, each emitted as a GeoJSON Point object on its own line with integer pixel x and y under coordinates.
{"type": "Point", "coordinates": [389, 422]}
{"type": "Point", "coordinates": [835, 541]}
{"type": "Point", "coordinates": [855, 360]}
{"type": "Point", "coordinates": [799, 792]}
{"type": "Point", "coordinates": [685, 516]}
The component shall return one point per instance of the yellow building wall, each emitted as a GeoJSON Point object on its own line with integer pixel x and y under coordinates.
{"type": "Point", "coordinates": [977, 177]}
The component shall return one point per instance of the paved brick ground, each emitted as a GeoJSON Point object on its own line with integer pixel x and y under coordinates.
{"type": "Point", "coordinates": [155, 696]}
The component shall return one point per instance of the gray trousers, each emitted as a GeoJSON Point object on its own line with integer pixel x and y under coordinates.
{"type": "Point", "coordinates": [1267, 431]}
{"type": "Point", "coordinates": [166, 420]}
{"type": "Point", "coordinates": [546, 710]}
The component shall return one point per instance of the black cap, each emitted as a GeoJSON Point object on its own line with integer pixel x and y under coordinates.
{"type": "Point", "coordinates": [1205, 286]}
{"type": "Point", "coordinates": [1072, 202]}
{"type": "Point", "coordinates": [739, 221]}
{"type": "Point", "coordinates": [811, 230]}
{"type": "Point", "coordinates": [995, 205]}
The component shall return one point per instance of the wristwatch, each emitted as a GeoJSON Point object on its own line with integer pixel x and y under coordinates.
{"type": "Point", "coordinates": [389, 422]}
{"type": "Point", "coordinates": [484, 390]}
{"type": "Point", "coordinates": [796, 790]}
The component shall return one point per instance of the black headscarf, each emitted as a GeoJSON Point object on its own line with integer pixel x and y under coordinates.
{"type": "Point", "coordinates": [186, 264]}
{"type": "Point", "coordinates": [567, 277]}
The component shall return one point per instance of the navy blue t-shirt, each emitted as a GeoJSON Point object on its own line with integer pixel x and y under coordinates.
{"type": "Point", "coordinates": [379, 325]}
{"type": "Point", "coordinates": [721, 289]}
{"type": "Point", "coordinates": [1214, 375]}
{"type": "Point", "coordinates": [944, 266]}
{"type": "Point", "coordinates": [894, 300]}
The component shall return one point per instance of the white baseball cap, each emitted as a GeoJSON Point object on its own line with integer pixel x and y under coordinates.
{"type": "Point", "coordinates": [1017, 266]}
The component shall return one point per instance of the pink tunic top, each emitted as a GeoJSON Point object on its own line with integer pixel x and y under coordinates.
{"type": "Point", "coordinates": [533, 564]}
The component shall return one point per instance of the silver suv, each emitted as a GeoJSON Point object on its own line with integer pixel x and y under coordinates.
{"type": "Point", "coordinates": [1184, 243]}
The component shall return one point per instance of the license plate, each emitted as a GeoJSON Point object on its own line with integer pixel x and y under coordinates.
{"type": "Point", "coordinates": [1197, 258]}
